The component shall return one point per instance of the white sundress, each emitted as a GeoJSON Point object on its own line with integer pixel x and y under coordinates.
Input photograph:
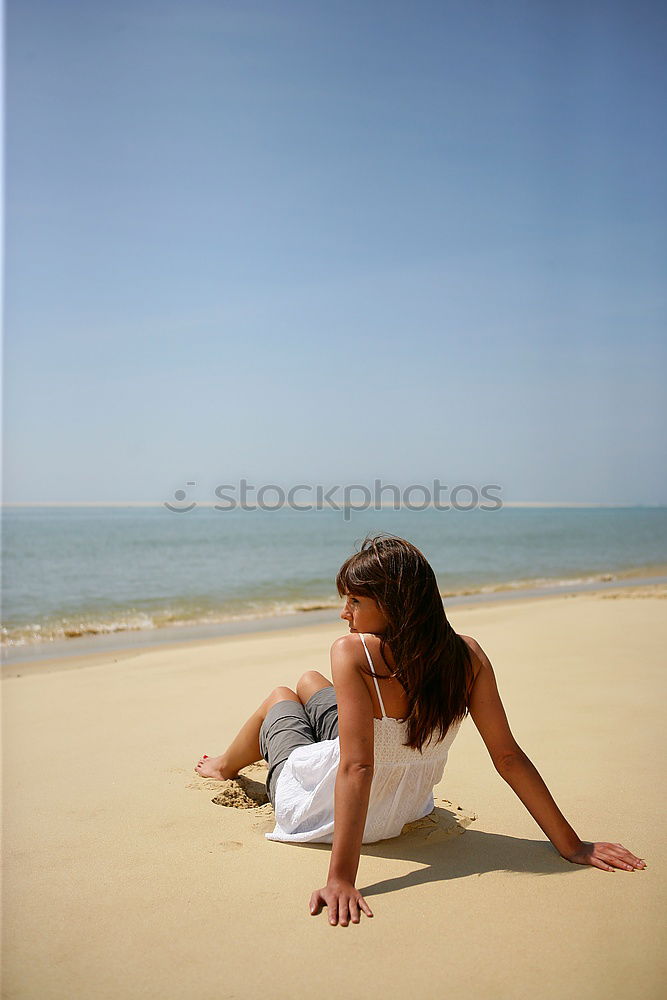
{"type": "Point", "coordinates": [401, 791]}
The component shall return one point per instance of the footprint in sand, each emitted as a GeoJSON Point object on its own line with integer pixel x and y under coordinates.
{"type": "Point", "coordinates": [446, 820]}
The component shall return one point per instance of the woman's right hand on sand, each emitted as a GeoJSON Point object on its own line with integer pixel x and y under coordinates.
{"type": "Point", "coordinates": [605, 856]}
{"type": "Point", "coordinates": [343, 902]}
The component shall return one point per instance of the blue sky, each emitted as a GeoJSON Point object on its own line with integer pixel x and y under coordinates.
{"type": "Point", "coordinates": [309, 242]}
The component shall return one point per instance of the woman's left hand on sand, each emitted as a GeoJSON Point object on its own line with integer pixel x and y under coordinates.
{"type": "Point", "coordinates": [606, 856]}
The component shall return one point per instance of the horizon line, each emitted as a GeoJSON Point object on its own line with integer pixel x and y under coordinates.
{"type": "Point", "coordinates": [387, 505]}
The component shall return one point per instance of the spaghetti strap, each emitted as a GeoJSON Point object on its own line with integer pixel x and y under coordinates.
{"type": "Point", "coordinates": [377, 686]}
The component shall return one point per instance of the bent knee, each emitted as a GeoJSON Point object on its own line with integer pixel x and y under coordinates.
{"type": "Point", "coordinates": [310, 682]}
{"type": "Point", "coordinates": [282, 694]}
{"type": "Point", "coordinates": [312, 677]}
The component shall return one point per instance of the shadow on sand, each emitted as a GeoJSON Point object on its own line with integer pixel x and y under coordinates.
{"type": "Point", "coordinates": [436, 842]}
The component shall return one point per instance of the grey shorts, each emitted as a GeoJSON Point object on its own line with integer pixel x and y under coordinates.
{"type": "Point", "coordinates": [289, 724]}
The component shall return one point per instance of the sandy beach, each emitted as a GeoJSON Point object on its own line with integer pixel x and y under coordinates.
{"type": "Point", "coordinates": [124, 879]}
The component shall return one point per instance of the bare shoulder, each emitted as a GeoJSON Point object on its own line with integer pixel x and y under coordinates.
{"type": "Point", "coordinates": [346, 671]}
{"type": "Point", "coordinates": [479, 657]}
{"type": "Point", "coordinates": [345, 650]}
{"type": "Point", "coordinates": [345, 644]}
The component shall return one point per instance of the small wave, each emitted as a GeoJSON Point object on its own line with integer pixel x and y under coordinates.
{"type": "Point", "coordinates": [36, 633]}
{"type": "Point", "coordinates": [50, 632]}
{"type": "Point", "coordinates": [533, 583]}
{"type": "Point", "coordinates": [317, 607]}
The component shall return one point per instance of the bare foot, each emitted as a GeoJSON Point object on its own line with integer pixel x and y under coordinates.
{"type": "Point", "coordinates": [213, 767]}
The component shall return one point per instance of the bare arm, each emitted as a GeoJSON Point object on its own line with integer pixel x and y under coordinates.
{"type": "Point", "coordinates": [353, 786]}
{"type": "Point", "coordinates": [521, 775]}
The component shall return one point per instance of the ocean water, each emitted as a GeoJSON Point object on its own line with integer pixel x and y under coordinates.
{"type": "Point", "coordinates": [78, 571]}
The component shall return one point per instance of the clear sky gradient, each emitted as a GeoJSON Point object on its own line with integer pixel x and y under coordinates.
{"type": "Point", "coordinates": [331, 242]}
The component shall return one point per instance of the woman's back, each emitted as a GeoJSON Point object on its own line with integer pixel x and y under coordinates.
{"type": "Point", "coordinates": [391, 693]}
{"type": "Point", "coordinates": [390, 730]}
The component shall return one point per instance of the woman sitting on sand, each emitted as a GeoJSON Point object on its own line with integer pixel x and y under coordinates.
{"type": "Point", "coordinates": [352, 762]}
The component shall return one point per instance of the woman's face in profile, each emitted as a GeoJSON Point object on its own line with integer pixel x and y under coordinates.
{"type": "Point", "coordinates": [363, 615]}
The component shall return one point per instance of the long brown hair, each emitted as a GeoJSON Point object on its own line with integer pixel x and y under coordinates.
{"type": "Point", "coordinates": [433, 662]}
